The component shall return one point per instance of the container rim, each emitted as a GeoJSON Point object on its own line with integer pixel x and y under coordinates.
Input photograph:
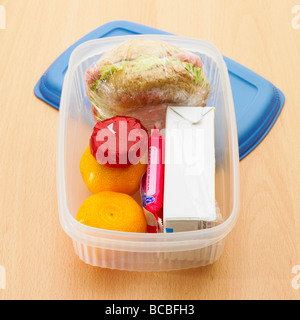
{"type": "Point", "coordinates": [144, 242]}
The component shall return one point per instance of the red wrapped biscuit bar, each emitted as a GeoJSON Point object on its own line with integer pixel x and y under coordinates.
{"type": "Point", "coordinates": [152, 187]}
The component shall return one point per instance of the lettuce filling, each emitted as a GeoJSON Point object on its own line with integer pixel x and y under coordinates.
{"type": "Point", "coordinates": [145, 63]}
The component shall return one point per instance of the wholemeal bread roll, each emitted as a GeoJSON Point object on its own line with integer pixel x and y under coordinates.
{"type": "Point", "coordinates": [141, 77]}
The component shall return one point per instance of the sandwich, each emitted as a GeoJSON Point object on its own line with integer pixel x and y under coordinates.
{"type": "Point", "coordinates": [141, 77]}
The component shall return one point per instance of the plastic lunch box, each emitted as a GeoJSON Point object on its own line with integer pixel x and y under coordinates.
{"type": "Point", "coordinates": [134, 251]}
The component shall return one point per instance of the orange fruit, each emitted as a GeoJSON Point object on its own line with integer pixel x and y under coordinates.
{"type": "Point", "coordinates": [98, 177]}
{"type": "Point", "coordinates": [112, 211]}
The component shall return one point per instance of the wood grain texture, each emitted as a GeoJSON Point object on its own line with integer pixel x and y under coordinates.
{"type": "Point", "coordinates": [38, 256]}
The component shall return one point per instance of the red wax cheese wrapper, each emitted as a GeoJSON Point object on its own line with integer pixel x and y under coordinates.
{"type": "Point", "coordinates": [152, 186]}
{"type": "Point", "coordinates": [119, 141]}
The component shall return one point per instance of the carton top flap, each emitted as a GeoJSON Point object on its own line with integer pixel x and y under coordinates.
{"type": "Point", "coordinates": [193, 115]}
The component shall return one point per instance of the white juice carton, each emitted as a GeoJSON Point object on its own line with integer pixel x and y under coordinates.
{"type": "Point", "coordinates": [189, 188]}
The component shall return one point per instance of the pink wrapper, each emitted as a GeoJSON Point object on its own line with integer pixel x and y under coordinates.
{"type": "Point", "coordinates": [152, 186]}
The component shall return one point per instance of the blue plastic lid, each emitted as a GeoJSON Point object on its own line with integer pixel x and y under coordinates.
{"type": "Point", "coordinates": [257, 102]}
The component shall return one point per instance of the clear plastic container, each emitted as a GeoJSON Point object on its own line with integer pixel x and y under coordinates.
{"type": "Point", "coordinates": [135, 251]}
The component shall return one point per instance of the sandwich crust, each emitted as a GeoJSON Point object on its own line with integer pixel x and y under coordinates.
{"type": "Point", "coordinates": [132, 49]}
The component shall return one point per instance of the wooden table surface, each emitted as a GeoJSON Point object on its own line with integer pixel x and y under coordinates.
{"type": "Point", "coordinates": [262, 251]}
